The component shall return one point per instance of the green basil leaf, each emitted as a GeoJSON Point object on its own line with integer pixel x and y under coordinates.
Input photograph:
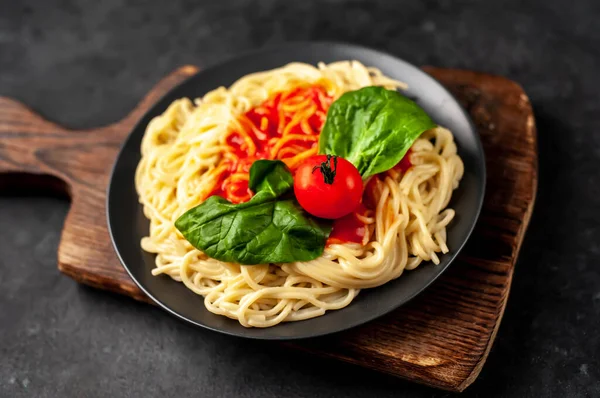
{"type": "Point", "coordinates": [373, 128]}
{"type": "Point", "coordinates": [270, 175]}
{"type": "Point", "coordinates": [266, 229]}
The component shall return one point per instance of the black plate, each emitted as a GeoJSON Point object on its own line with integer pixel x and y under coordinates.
{"type": "Point", "coordinates": [128, 225]}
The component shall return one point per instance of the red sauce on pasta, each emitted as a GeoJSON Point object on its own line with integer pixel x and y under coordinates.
{"type": "Point", "coordinates": [404, 164]}
{"type": "Point", "coordinates": [349, 228]}
{"type": "Point", "coordinates": [285, 127]}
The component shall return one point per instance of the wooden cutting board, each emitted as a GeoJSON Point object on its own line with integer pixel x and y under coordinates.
{"type": "Point", "coordinates": [441, 338]}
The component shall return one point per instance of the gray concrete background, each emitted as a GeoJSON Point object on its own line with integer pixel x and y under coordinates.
{"type": "Point", "coordinates": [87, 63]}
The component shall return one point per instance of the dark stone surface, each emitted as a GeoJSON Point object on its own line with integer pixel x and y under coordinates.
{"type": "Point", "coordinates": [86, 63]}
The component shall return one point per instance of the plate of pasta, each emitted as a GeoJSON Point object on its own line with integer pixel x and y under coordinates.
{"type": "Point", "coordinates": [297, 191]}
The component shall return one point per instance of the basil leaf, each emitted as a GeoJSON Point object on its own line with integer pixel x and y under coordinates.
{"type": "Point", "coordinates": [266, 229]}
{"type": "Point", "coordinates": [373, 128]}
{"type": "Point", "coordinates": [270, 175]}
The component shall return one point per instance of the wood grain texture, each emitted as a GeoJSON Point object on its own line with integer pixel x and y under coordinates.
{"type": "Point", "coordinates": [441, 338]}
{"type": "Point", "coordinates": [34, 151]}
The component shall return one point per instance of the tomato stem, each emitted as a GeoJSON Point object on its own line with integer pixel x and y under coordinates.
{"type": "Point", "coordinates": [326, 170]}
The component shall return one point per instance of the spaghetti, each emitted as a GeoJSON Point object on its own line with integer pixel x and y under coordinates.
{"type": "Point", "coordinates": [206, 147]}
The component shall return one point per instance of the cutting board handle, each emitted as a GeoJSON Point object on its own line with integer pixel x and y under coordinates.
{"type": "Point", "coordinates": [38, 154]}
{"type": "Point", "coordinates": [26, 136]}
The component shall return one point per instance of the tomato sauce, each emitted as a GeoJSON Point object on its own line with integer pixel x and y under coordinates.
{"type": "Point", "coordinates": [404, 164]}
{"type": "Point", "coordinates": [284, 127]}
{"type": "Point", "coordinates": [350, 228]}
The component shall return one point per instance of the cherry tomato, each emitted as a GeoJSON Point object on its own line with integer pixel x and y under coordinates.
{"type": "Point", "coordinates": [328, 186]}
